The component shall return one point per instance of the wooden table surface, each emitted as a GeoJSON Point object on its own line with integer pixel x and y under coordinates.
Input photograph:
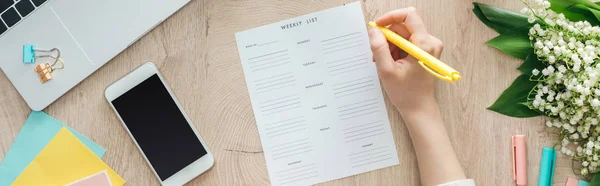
{"type": "Point", "coordinates": [195, 50]}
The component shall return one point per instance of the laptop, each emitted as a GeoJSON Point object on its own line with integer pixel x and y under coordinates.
{"type": "Point", "coordinates": [88, 34]}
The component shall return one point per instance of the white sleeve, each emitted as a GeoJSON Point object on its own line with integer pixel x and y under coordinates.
{"type": "Point", "coordinates": [468, 182]}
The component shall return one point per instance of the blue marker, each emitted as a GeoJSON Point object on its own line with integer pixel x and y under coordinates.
{"type": "Point", "coordinates": [547, 167]}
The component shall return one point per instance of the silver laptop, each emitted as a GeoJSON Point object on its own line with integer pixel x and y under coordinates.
{"type": "Point", "coordinates": [88, 34]}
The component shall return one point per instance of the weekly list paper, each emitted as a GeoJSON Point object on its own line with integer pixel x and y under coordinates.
{"type": "Point", "coordinates": [316, 97]}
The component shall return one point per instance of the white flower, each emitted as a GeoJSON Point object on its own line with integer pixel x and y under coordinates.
{"type": "Point", "coordinates": [587, 59]}
{"type": "Point", "coordinates": [579, 102]}
{"type": "Point", "coordinates": [535, 72]}
{"type": "Point", "coordinates": [549, 44]}
{"type": "Point", "coordinates": [531, 19]}
{"type": "Point", "coordinates": [559, 75]}
{"type": "Point", "coordinates": [576, 67]}
{"type": "Point", "coordinates": [551, 59]}
{"type": "Point", "coordinates": [579, 88]}
{"type": "Point", "coordinates": [586, 31]}
{"type": "Point", "coordinates": [546, 4]}
{"type": "Point", "coordinates": [545, 72]}
{"type": "Point", "coordinates": [538, 44]}
{"type": "Point", "coordinates": [575, 58]}
{"type": "Point", "coordinates": [546, 50]}
{"type": "Point", "coordinates": [557, 51]}
{"type": "Point", "coordinates": [561, 42]}
{"type": "Point", "coordinates": [586, 91]}
{"type": "Point", "coordinates": [562, 68]}
{"type": "Point", "coordinates": [557, 124]}
{"type": "Point", "coordinates": [590, 48]}
{"type": "Point", "coordinates": [595, 103]}
{"type": "Point", "coordinates": [545, 89]}
{"type": "Point", "coordinates": [525, 10]}
{"type": "Point", "coordinates": [551, 69]}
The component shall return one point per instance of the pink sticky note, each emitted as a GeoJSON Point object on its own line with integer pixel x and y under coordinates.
{"type": "Point", "coordinates": [571, 182]}
{"type": "Point", "coordinates": [98, 179]}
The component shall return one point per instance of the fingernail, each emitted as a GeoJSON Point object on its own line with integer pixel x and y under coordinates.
{"type": "Point", "coordinates": [371, 32]}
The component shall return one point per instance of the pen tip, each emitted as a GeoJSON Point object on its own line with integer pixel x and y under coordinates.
{"type": "Point", "coordinates": [372, 24]}
{"type": "Point", "coordinates": [455, 77]}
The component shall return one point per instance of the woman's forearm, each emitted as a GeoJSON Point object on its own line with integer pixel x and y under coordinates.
{"type": "Point", "coordinates": [435, 156]}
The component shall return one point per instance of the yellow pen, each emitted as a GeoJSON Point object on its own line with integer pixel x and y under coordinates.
{"type": "Point", "coordinates": [442, 70]}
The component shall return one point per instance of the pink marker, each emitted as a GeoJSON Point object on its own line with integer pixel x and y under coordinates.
{"type": "Point", "coordinates": [519, 160]}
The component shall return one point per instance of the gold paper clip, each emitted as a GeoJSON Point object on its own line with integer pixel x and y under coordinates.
{"type": "Point", "coordinates": [44, 70]}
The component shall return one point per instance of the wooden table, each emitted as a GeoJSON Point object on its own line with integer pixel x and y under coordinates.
{"type": "Point", "coordinates": [196, 52]}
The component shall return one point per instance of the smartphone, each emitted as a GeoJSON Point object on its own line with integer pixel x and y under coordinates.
{"type": "Point", "coordinates": [159, 127]}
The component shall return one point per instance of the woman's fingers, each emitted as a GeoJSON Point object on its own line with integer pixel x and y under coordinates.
{"type": "Point", "coordinates": [407, 16]}
{"type": "Point", "coordinates": [435, 45]}
{"type": "Point", "coordinates": [400, 29]}
{"type": "Point", "coordinates": [381, 53]}
{"type": "Point", "coordinates": [438, 46]}
{"type": "Point", "coordinates": [413, 23]}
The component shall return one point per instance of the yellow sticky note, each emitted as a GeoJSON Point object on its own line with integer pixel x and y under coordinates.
{"type": "Point", "coordinates": [64, 160]}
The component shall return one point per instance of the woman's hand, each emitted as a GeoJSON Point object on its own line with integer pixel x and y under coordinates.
{"type": "Point", "coordinates": [408, 85]}
{"type": "Point", "coordinates": [411, 90]}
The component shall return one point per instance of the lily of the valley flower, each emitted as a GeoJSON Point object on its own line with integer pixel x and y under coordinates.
{"type": "Point", "coordinates": [568, 90]}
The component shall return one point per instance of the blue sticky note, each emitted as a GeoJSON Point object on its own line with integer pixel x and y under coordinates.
{"type": "Point", "coordinates": [36, 133]}
{"type": "Point", "coordinates": [583, 183]}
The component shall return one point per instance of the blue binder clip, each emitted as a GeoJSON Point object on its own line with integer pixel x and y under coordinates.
{"type": "Point", "coordinates": [29, 53]}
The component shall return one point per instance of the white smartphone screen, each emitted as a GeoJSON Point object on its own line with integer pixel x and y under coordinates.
{"type": "Point", "coordinates": [159, 127]}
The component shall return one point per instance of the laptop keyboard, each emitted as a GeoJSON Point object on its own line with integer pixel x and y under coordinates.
{"type": "Point", "coordinates": [13, 11]}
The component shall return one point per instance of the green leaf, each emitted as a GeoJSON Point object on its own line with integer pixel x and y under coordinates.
{"type": "Point", "coordinates": [595, 180]}
{"type": "Point", "coordinates": [561, 5]}
{"type": "Point", "coordinates": [573, 10]}
{"type": "Point", "coordinates": [513, 42]}
{"type": "Point", "coordinates": [511, 101]}
{"type": "Point", "coordinates": [499, 19]}
{"type": "Point", "coordinates": [588, 14]}
{"type": "Point", "coordinates": [498, 28]}
{"type": "Point", "coordinates": [531, 62]}
{"type": "Point", "coordinates": [596, 14]}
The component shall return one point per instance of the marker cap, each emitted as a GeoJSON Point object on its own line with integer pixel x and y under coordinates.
{"type": "Point", "coordinates": [547, 167]}
{"type": "Point", "coordinates": [519, 160]}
